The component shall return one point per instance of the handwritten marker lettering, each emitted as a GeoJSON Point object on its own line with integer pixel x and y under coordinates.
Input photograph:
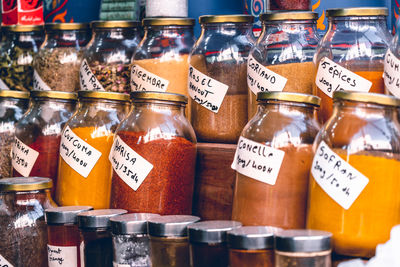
{"type": "Point", "coordinates": [4, 262]}
{"type": "Point", "coordinates": [143, 80]}
{"type": "Point", "coordinates": [88, 80]}
{"type": "Point", "coordinates": [23, 157]}
{"type": "Point", "coordinates": [62, 256]}
{"type": "Point", "coordinates": [391, 74]}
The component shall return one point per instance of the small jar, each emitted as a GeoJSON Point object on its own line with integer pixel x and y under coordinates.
{"type": "Point", "coordinates": [23, 232]}
{"type": "Point", "coordinates": [217, 77]}
{"type": "Point", "coordinates": [56, 65]}
{"type": "Point", "coordinates": [131, 244]}
{"type": "Point", "coordinates": [39, 133]}
{"type": "Point", "coordinates": [169, 240]}
{"type": "Point", "coordinates": [282, 59]}
{"type": "Point", "coordinates": [19, 45]}
{"type": "Point", "coordinates": [84, 172]}
{"type": "Point", "coordinates": [303, 248]}
{"type": "Point", "coordinates": [63, 247]}
{"type": "Point", "coordinates": [96, 247]}
{"type": "Point", "coordinates": [208, 243]}
{"type": "Point", "coordinates": [107, 57]}
{"type": "Point", "coordinates": [158, 172]}
{"type": "Point", "coordinates": [13, 105]}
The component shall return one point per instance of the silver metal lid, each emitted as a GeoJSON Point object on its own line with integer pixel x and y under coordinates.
{"type": "Point", "coordinates": [171, 225]}
{"type": "Point", "coordinates": [134, 223]}
{"type": "Point", "coordinates": [303, 241]}
{"type": "Point", "coordinates": [98, 218]}
{"type": "Point", "coordinates": [67, 214]}
{"type": "Point", "coordinates": [252, 237]}
{"type": "Point", "coordinates": [211, 231]}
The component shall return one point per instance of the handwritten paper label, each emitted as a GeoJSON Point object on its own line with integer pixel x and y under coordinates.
{"type": "Point", "coordinates": [391, 74]}
{"type": "Point", "coordinates": [143, 80]}
{"type": "Point", "coordinates": [78, 154]}
{"type": "Point", "coordinates": [3, 85]}
{"type": "Point", "coordinates": [341, 181]}
{"type": "Point", "coordinates": [332, 77]}
{"type": "Point", "coordinates": [23, 157]}
{"type": "Point", "coordinates": [4, 262]}
{"type": "Point", "coordinates": [88, 80]}
{"type": "Point", "coordinates": [129, 165]}
{"type": "Point", "coordinates": [62, 256]}
{"type": "Point", "coordinates": [205, 90]}
{"type": "Point", "coordinates": [38, 83]}
{"type": "Point", "coordinates": [82, 254]}
{"type": "Point", "coordinates": [257, 161]}
{"type": "Point", "coordinates": [262, 79]}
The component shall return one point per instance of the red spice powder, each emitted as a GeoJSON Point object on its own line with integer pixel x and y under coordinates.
{"type": "Point", "coordinates": [168, 189]}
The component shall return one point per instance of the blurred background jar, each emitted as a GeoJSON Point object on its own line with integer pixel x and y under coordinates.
{"type": "Point", "coordinates": [391, 65]}
{"type": "Point", "coordinates": [289, 5]}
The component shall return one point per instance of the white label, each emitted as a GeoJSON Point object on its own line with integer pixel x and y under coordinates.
{"type": "Point", "coordinates": [78, 154]}
{"type": "Point", "coordinates": [88, 80]}
{"type": "Point", "coordinates": [332, 77]}
{"type": "Point", "coordinates": [205, 90]}
{"type": "Point", "coordinates": [82, 254]}
{"type": "Point", "coordinates": [62, 256]}
{"type": "Point", "coordinates": [129, 165]}
{"type": "Point", "coordinates": [3, 85]}
{"type": "Point", "coordinates": [262, 79]}
{"type": "Point", "coordinates": [341, 181]}
{"type": "Point", "coordinates": [143, 80]}
{"type": "Point", "coordinates": [38, 83]}
{"type": "Point", "coordinates": [120, 265]}
{"type": "Point", "coordinates": [23, 157]}
{"type": "Point", "coordinates": [392, 73]}
{"type": "Point", "coordinates": [4, 262]}
{"type": "Point", "coordinates": [257, 161]}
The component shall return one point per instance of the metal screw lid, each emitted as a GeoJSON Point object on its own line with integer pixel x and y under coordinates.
{"type": "Point", "coordinates": [211, 231]}
{"type": "Point", "coordinates": [98, 218]}
{"type": "Point", "coordinates": [302, 240]}
{"type": "Point", "coordinates": [19, 184]}
{"type": "Point", "coordinates": [64, 215]}
{"type": "Point", "coordinates": [171, 225]}
{"type": "Point", "coordinates": [252, 237]}
{"type": "Point", "coordinates": [134, 223]}
{"type": "Point", "coordinates": [14, 94]}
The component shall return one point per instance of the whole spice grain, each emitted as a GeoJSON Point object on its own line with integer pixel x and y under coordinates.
{"type": "Point", "coordinates": [113, 77]}
{"type": "Point", "coordinates": [6, 142]}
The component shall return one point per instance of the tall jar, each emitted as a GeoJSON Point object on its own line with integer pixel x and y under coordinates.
{"type": "Point", "coordinates": [154, 156]}
{"type": "Point", "coordinates": [23, 230]}
{"type": "Point", "coordinates": [13, 105]}
{"type": "Point", "coordinates": [38, 134]}
{"type": "Point", "coordinates": [273, 160]}
{"type": "Point", "coordinates": [107, 58]}
{"type": "Point", "coordinates": [84, 173]}
{"type": "Point", "coordinates": [355, 173]}
{"type": "Point", "coordinates": [56, 65]}
{"type": "Point", "coordinates": [217, 77]}
{"type": "Point", "coordinates": [282, 59]}
{"type": "Point", "coordinates": [351, 54]}
{"type": "Point", "coordinates": [18, 47]}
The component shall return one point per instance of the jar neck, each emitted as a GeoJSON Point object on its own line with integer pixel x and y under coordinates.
{"type": "Point", "coordinates": [67, 38]}
{"type": "Point", "coordinates": [169, 31]}
{"type": "Point", "coordinates": [97, 104]}
{"type": "Point", "coordinates": [291, 108]}
{"type": "Point", "coordinates": [367, 111]}
{"type": "Point", "coordinates": [9, 102]}
{"type": "Point", "coordinates": [28, 40]}
{"type": "Point", "coordinates": [172, 108]}
{"type": "Point", "coordinates": [115, 33]}
{"type": "Point", "coordinates": [357, 23]}
{"type": "Point", "coordinates": [45, 104]}
{"type": "Point", "coordinates": [231, 29]}
{"type": "Point", "coordinates": [302, 26]}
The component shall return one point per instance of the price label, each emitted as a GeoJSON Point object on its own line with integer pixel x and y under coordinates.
{"type": "Point", "coordinates": [129, 165]}
{"type": "Point", "coordinates": [391, 74]}
{"type": "Point", "coordinates": [38, 83]}
{"type": "Point", "coordinates": [341, 181]}
{"type": "Point", "coordinates": [332, 77]}
{"type": "Point", "coordinates": [205, 90]}
{"type": "Point", "coordinates": [78, 154]}
{"type": "Point", "coordinates": [3, 85]}
{"type": "Point", "coordinates": [4, 262]}
{"type": "Point", "coordinates": [88, 80]}
{"type": "Point", "coordinates": [62, 256]}
{"type": "Point", "coordinates": [23, 157]}
{"type": "Point", "coordinates": [143, 80]}
{"type": "Point", "coordinates": [257, 161]}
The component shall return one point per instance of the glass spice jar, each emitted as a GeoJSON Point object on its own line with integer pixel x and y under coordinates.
{"type": "Point", "coordinates": [208, 243]}
{"type": "Point", "coordinates": [169, 245]}
{"type": "Point", "coordinates": [351, 54]}
{"type": "Point", "coordinates": [273, 160]}
{"type": "Point", "coordinates": [84, 173]}
{"type": "Point", "coordinates": [154, 156]}
{"type": "Point", "coordinates": [131, 244]}
{"type": "Point", "coordinates": [355, 173]}
{"type": "Point", "coordinates": [18, 47]}
{"type": "Point", "coordinates": [38, 133]}
{"type": "Point", "coordinates": [56, 65]}
{"type": "Point", "coordinates": [217, 77]}
{"type": "Point", "coordinates": [107, 57]}
{"type": "Point", "coordinates": [63, 247]}
{"type": "Point", "coordinates": [23, 232]}
{"type": "Point", "coordinates": [13, 104]}
{"type": "Point", "coordinates": [282, 59]}
{"type": "Point", "coordinates": [391, 65]}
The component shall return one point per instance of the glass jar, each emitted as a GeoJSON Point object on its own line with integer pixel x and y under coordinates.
{"type": "Point", "coordinates": [208, 244]}
{"type": "Point", "coordinates": [84, 173]}
{"type": "Point", "coordinates": [160, 140]}
{"type": "Point", "coordinates": [303, 248]}
{"type": "Point", "coordinates": [39, 131]}
{"type": "Point", "coordinates": [13, 105]}
{"type": "Point", "coordinates": [56, 65]}
{"type": "Point", "coordinates": [273, 160]}
{"type": "Point", "coordinates": [18, 47]}
{"type": "Point", "coordinates": [95, 226]}
{"type": "Point", "coordinates": [391, 64]}
{"type": "Point", "coordinates": [282, 59]}
{"type": "Point", "coordinates": [107, 57]}
{"type": "Point", "coordinates": [63, 235]}
{"type": "Point", "coordinates": [131, 245]}
{"type": "Point", "coordinates": [351, 54]}
{"type": "Point", "coordinates": [169, 245]}
{"type": "Point", "coordinates": [217, 77]}
{"type": "Point", "coordinates": [23, 232]}
{"type": "Point", "coordinates": [355, 173]}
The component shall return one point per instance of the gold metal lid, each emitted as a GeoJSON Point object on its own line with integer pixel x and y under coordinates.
{"type": "Point", "coordinates": [104, 95]}
{"type": "Point", "coordinates": [226, 19]}
{"type": "Point", "coordinates": [25, 184]}
{"type": "Point", "coordinates": [357, 12]}
{"type": "Point", "coordinates": [54, 95]}
{"type": "Point", "coordinates": [67, 26]}
{"type": "Point", "coordinates": [289, 15]}
{"type": "Point", "coordinates": [115, 24]}
{"type": "Point", "coordinates": [372, 98]}
{"type": "Point", "coordinates": [14, 94]}
{"type": "Point", "coordinates": [162, 96]}
{"type": "Point", "coordinates": [289, 97]}
{"type": "Point", "coordinates": [23, 28]}
{"type": "Point", "coordinates": [168, 21]}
